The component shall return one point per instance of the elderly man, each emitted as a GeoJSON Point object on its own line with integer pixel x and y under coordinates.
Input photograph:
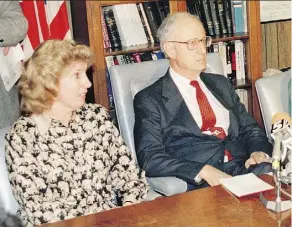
{"type": "Point", "coordinates": [190, 124]}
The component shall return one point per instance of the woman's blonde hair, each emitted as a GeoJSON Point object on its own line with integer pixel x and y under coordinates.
{"type": "Point", "coordinates": [38, 84]}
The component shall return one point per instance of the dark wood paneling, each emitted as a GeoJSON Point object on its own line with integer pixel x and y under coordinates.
{"type": "Point", "coordinates": [276, 44]}
{"type": "Point", "coordinates": [80, 34]}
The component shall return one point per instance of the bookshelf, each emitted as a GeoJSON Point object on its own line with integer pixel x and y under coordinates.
{"type": "Point", "coordinates": [252, 40]}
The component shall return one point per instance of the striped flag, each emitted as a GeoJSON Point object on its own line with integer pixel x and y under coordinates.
{"type": "Point", "coordinates": [46, 20]}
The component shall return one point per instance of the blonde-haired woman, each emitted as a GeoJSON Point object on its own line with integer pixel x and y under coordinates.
{"type": "Point", "coordinates": [65, 158]}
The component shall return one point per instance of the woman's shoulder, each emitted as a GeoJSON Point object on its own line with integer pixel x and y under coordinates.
{"type": "Point", "coordinates": [22, 127]}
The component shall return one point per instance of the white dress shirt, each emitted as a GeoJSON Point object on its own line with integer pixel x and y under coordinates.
{"type": "Point", "coordinates": [188, 93]}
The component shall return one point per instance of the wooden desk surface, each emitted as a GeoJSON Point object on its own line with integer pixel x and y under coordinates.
{"type": "Point", "coordinates": [209, 207]}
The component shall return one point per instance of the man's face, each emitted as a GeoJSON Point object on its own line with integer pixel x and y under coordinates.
{"type": "Point", "coordinates": [183, 57]}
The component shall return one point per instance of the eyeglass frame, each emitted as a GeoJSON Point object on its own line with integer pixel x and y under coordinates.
{"type": "Point", "coordinates": [200, 40]}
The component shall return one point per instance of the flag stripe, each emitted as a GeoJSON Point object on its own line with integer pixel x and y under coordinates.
{"type": "Point", "coordinates": [47, 20]}
{"type": "Point", "coordinates": [42, 19]}
{"type": "Point", "coordinates": [57, 29]}
{"type": "Point", "coordinates": [29, 13]}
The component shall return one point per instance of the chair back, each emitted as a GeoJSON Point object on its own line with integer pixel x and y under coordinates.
{"type": "Point", "coordinates": [7, 199]}
{"type": "Point", "coordinates": [127, 80]}
{"type": "Point", "coordinates": [273, 97]}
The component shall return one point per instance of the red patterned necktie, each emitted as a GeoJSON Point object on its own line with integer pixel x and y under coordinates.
{"type": "Point", "coordinates": [209, 117]}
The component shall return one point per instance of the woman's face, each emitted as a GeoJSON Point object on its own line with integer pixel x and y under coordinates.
{"type": "Point", "coordinates": [73, 86]}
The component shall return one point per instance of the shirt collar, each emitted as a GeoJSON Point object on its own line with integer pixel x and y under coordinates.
{"type": "Point", "coordinates": [181, 79]}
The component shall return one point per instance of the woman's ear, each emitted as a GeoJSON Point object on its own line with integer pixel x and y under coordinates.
{"type": "Point", "coordinates": [169, 49]}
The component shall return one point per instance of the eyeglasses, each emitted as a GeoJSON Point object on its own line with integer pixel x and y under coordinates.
{"type": "Point", "coordinates": [193, 44]}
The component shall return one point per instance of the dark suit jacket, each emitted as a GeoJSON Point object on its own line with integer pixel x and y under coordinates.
{"type": "Point", "coordinates": [169, 142]}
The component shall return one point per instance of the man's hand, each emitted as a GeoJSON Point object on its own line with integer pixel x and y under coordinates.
{"type": "Point", "coordinates": [256, 157]}
{"type": "Point", "coordinates": [212, 175]}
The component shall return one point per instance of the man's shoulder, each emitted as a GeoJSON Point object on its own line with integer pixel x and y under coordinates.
{"type": "Point", "coordinates": [216, 80]}
{"type": "Point", "coordinates": [152, 89]}
{"type": "Point", "coordinates": [215, 77]}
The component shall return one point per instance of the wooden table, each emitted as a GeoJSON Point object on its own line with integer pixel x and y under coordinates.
{"type": "Point", "coordinates": [209, 207]}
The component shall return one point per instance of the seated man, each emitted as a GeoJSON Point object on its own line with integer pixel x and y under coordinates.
{"type": "Point", "coordinates": [190, 124]}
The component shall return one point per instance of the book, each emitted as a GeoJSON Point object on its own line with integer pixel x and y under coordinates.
{"type": "Point", "coordinates": [228, 14]}
{"type": "Point", "coordinates": [165, 4]}
{"type": "Point", "coordinates": [215, 17]}
{"type": "Point", "coordinates": [240, 67]}
{"type": "Point", "coordinates": [146, 22]}
{"type": "Point", "coordinates": [238, 16]}
{"type": "Point", "coordinates": [207, 17]}
{"type": "Point", "coordinates": [221, 15]}
{"type": "Point", "coordinates": [153, 17]}
{"type": "Point", "coordinates": [106, 39]}
{"type": "Point", "coordinates": [143, 23]}
{"type": "Point", "coordinates": [111, 27]}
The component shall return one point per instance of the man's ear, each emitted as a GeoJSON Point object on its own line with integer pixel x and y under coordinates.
{"type": "Point", "coordinates": [169, 49]}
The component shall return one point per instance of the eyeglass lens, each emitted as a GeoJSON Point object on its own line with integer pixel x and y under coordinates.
{"type": "Point", "coordinates": [193, 44]}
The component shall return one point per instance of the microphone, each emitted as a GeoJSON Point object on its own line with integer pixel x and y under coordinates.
{"type": "Point", "coordinates": [282, 135]}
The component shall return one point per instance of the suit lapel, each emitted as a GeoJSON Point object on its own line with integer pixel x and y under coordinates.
{"type": "Point", "coordinates": [176, 105]}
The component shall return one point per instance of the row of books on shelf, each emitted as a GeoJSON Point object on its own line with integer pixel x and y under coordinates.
{"type": "Point", "coordinates": [232, 56]}
{"type": "Point", "coordinates": [133, 58]}
{"type": "Point", "coordinates": [132, 24]}
{"type": "Point", "coordinates": [136, 24]}
{"type": "Point", "coordinates": [220, 17]}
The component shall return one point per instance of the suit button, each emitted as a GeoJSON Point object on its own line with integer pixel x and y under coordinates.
{"type": "Point", "coordinates": [220, 161]}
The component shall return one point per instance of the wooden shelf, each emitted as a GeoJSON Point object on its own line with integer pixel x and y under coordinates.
{"type": "Point", "coordinates": [242, 84]}
{"type": "Point", "coordinates": [115, 2]}
{"type": "Point", "coordinates": [155, 46]}
{"type": "Point", "coordinates": [230, 37]}
{"type": "Point", "coordinates": [132, 49]}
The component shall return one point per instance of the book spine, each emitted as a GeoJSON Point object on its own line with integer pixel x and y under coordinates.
{"type": "Point", "coordinates": [106, 39]}
{"type": "Point", "coordinates": [152, 19]}
{"type": "Point", "coordinates": [121, 59]}
{"type": "Point", "coordinates": [222, 18]}
{"type": "Point", "coordinates": [238, 59]}
{"type": "Point", "coordinates": [244, 16]}
{"type": "Point", "coordinates": [146, 56]}
{"type": "Point", "coordinates": [116, 62]}
{"type": "Point", "coordinates": [207, 14]}
{"type": "Point", "coordinates": [222, 52]}
{"type": "Point", "coordinates": [238, 16]}
{"type": "Point", "coordinates": [143, 23]}
{"type": "Point", "coordinates": [233, 61]}
{"type": "Point", "coordinates": [233, 17]}
{"type": "Point", "coordinates": [160, 9]}
{"type": "Point", "coordinates": [228, 60]}
{"type": "Point", "coordinates": [165, 4]}
{"type": "Point", "coordinates": [215, 17]}
{"type": "Point", "coordinates": [146, 22]}
{"type": "Point", "coordinates": [111, 27]}
{"type": "Point", "coordinates": [159, 54]}
{"type": "Point", "coordinates": [138, 24]}
{"type": "Point", "coordinates": [228, 15]}
{"type": "Point", "coordinates": [137, 57]}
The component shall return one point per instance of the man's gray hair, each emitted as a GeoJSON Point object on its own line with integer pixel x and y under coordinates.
{"type": "Point", "coordinates": [169, 25]}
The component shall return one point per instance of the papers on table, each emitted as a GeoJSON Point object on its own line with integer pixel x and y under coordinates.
{"type": "Point", "coordinates": [245, 184]}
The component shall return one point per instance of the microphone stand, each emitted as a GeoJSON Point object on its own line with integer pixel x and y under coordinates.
{"type": "Point", "coordinates": [278, 205]}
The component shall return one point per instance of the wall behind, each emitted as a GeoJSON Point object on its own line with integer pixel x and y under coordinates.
{"type": "Point", "coordinates": [276, 41]}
